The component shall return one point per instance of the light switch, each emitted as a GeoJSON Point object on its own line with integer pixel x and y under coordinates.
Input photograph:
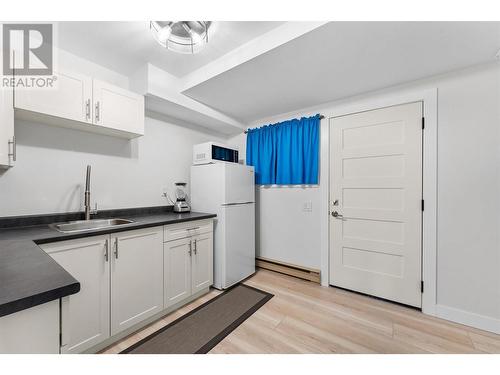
{"type": "Point", "coordinates": [308, 206]}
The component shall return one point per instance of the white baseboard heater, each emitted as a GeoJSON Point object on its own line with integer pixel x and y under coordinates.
{"type": "Point", "coordinates": [300, 272]}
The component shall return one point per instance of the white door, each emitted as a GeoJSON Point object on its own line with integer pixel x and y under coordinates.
{"type": "Point", "coordinates": [71, 98]}
{"type": "Point", "coordinates": [236, 258]}
{"type": "Point", "coordinates": [6, 128]}
{"type": "Point", "coordinates": [136, 277]}
{"type": "Point", "coordinates": [376, 190]}
{"type": "Point", "coordinates": [202, 262]}
{"type": "Point", "coordinates": [239, 183]}
{"type": "Point", "coordinates": [85, 315]}
{"type": "Point", "coordinates": [118, 108]}
{"type": "Point", "coordinates": [177, 258]}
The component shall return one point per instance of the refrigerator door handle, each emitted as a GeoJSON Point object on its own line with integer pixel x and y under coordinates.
{"type": "Point", "coordinates": [236, 204]}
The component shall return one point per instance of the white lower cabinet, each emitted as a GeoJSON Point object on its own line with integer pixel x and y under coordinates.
{"type": "Point", "coordinates": [31, 331]}
{"type": "Point", "coordinates": [188, 264]}
{"type": "Point", "coordinates": [136, 277]}
{"type": "Point", "coordinates": [85, 315]}
{"type": "Point", "coordinates": [177, 271]}
{"type": "Point", "coordinates": [121, 284]}
{"type": "Point", "coordinates": [128, 277]}
{"type": "Point", "coordinates": [202, 262]}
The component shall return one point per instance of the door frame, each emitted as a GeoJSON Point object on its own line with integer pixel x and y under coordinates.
{"type": "Point", "coordinates": [429, 182]}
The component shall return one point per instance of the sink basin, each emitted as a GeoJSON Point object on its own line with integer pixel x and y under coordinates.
{"type": "Point", "coordinates": [84, 225]}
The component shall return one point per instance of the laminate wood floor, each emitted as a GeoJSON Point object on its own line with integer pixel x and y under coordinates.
{"type": "Point", "coordinates": [304, 317]}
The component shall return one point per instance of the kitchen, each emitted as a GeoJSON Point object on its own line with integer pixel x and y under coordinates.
{"type": "Point", "coordinates": [235, 187]}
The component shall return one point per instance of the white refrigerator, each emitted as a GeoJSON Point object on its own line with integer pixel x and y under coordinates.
{"type": "Point", "coordinates": [228, 190]}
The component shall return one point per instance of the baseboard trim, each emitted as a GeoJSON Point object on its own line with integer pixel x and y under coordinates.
{"type": "Point", "coordinates": [467, 318]}
{"type": "Point", "coordinates": [132, 330]}
{"type": "Point", "coordinates": [300, 272]}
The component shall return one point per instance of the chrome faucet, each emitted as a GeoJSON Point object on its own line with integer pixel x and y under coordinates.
{"type": "Point", "coordinates": [88, 210]}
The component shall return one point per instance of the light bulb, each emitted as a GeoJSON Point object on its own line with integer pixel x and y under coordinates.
{"type": "Point", "coordinates": [197, 39]}
{"type": "Point", "coordinates": [164, 33]}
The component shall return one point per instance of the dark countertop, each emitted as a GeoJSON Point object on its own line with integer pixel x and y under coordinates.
{"type": "Point", "coordinates": [30, 277]}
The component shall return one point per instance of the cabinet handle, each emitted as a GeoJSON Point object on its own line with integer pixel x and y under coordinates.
{"type": "Point", "coordinates": [116, 248]}
{"type": "Point", "coordinates": [14, 147]}
{"type": "Point", "coordinates": [106, 252]}
{"type": "Point", "coordinates": [87, 109]}
{"type": "Point", "coordinates": [97, 110]}
{"type": "Point", "coordinates": [195, 247]}
{"type": "Point", "coordinates": [194, 228]}
{"type": "Point", "coordinates": [190, 248]}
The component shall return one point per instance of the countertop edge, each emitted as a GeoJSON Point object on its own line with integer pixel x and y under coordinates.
{"type": "Point", "coordinates": [123, 228]}
{"type": "Point", "coordinates": [27, 302]}
{"type": "Point", "coordinates": [38, 299]}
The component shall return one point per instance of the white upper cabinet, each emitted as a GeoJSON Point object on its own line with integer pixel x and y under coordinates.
{"type": "Point", "coordinates": [7, 140]}
{"type": "Point", "coordinates": [136, 277]}
{"type": "Point", "coordinates": [84, 315]}
{"type": "Point", "coordinates": [117, 108]}
{"type": "Point", "coordinates": [84, 103]}
{"type": "Point", "coordinates": [71, 98]}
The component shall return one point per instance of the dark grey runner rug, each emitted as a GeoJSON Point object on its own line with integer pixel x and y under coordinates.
{"type": "Point", "coordinates": [204, 327]}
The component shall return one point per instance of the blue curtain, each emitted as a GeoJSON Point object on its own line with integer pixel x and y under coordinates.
{"type": "Point", "coordinates": [286, 153]}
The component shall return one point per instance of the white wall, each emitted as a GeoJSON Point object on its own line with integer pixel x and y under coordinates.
{"type": "Point", "coordinates": [49, 175]}
{"type": "Point", "coordinates": [284, 230]}
{"type": "Point", "coordinates": [50, 170]}
{"type": "Point", "coordinates": [67, 61]}
{"type": "Point", "coordinates": [468, 233]}
{"type": "Point", "coordinates": [469, 192]}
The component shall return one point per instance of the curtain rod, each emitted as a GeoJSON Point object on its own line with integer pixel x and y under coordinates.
{"type": "Point", "coordinates": [321, 117]}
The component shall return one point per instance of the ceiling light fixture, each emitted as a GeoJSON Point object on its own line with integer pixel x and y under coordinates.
{"type": "Point", "coordinates": [164, 33]}
{"type": "Point", "coordinates": [181, 36]}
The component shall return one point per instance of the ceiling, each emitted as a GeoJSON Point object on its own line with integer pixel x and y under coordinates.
{"type": "Point", "coordinates": [174, 113]}
{"type": "Point", "coordinates": [253, 70]}
{"type": "Point", "coordinates": [342, 59]}
{"type": "Point", "coordinates": [126, 46]}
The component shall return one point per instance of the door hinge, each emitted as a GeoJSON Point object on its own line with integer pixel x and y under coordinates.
{"type": "Point", "coordinates": [421, 287]}
{"type": "Point", "coordinates": [422, 204]}
{"type": "Point", "coordinates": [423, 122]}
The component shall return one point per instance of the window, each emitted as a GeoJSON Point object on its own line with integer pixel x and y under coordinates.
{"type": "Point", "coordinates": [286, 153]}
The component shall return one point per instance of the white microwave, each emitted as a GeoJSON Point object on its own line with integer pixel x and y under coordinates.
{"type": "Point", "coordinates": [210, 152]}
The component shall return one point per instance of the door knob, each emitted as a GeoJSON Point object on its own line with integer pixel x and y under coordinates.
{"type": "Point", "coordinates": [336, 214]}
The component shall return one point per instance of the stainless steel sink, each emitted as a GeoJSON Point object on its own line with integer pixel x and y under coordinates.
{"type": "Point", "coordinates": [86, 225]}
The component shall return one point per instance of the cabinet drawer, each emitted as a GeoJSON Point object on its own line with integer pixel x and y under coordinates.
{"type": "Point", "coordinates": [182, 230]}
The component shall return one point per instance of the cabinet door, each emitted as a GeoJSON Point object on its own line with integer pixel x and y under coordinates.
{"type": "Point", "coordinates": [71, 98]}
{"type": "Point", "coordinates": [136, 277]}
{"type": "Point", "coordinates": [117, 108]}
{"type": "Point", "coordinates": [202, 262]}
{"type": "Point", "coordinates": [85, 315]}
{"type": "Point", "coordinates": [31, 331]}
{"type": "Point", "coordinates": [6, 128]}
{"type": "Point", "coordinates": [177, 258]}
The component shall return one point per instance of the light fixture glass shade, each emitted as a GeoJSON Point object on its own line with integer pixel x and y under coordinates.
{"type": "Point", "coordinates": [164, 33]}
{"type": "Point", "coordinates": [181, 36]}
